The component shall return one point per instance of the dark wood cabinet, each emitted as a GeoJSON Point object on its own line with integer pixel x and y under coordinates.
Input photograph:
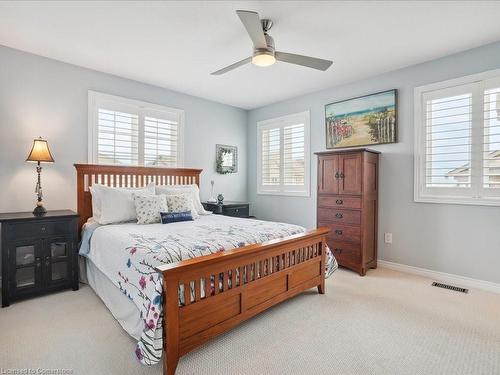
{"type": "Point", "coordinates": [347, 204]}
{"type": "Point", "coordinates": [235, 209]}
{"type": "Point", "coordinates": [39, 254]}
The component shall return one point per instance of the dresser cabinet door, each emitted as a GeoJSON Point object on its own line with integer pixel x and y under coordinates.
{"type": "Point", "coordinates": [57, 260]}
{"type": "Point", "coordinates": [25, 266]}
{"type": "Point", "coordinates": [328, 175]}
{"type": "Point", "coordinates": [350, 173]}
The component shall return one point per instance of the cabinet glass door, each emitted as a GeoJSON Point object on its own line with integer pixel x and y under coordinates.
{"type": "Point", "coordinates": [57, 260]}
{"type": "Point", "coordinates": [25, 265]}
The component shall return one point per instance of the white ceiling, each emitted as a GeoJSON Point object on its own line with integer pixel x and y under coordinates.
{"type": "Point", "coordinates": [177, 44]}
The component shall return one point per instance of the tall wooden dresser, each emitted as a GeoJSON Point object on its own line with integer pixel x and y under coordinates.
{"type": "Point", "coordinates": [347, 203]}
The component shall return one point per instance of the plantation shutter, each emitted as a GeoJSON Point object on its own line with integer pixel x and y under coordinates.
{"type": "Point", "coordinates": [118, 136]}
{"type": "Point", "coordinates": [458, 142]}
{"type": "Point", "coordinates": [293, 155]}
{"type": "Point", "coordinates": [448, 138]}
{"type": "Point", "coordinates": [283, 155]}
{"type": "Point", "coordinates": [161, 136]}
{"type": "Point", "coordinates": [130, 132]}
{"type": "Point", "coordinates": [491, 137]}
{"type": "Point", "coordinates": [271, 157]}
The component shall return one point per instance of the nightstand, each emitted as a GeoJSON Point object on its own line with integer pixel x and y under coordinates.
{"type": "Point", "coordinates": [236, 209]}
{"type": "Point", "coordinates": [39, 253]}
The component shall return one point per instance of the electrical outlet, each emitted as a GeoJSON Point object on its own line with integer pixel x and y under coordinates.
{"type": "Point", "coordinates": [388, 237]}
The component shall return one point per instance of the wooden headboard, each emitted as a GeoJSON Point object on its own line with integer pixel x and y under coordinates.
{"type": "Point", "coordinates": [120, 176]}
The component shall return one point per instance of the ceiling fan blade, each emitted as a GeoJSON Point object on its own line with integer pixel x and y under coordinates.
{"type": "Point", "coordinates": [251, 21]}
{"type": "Point", "coordinates": [308, 61]}
{"type": "Point", "coordinates": [232, 66]}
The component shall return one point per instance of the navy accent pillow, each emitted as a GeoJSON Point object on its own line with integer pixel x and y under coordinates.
{"type": "Point", "coordinates": [172, 217]}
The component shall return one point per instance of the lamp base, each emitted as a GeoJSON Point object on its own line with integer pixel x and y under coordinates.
{"type": "Point", "coordinates": [39, 211]}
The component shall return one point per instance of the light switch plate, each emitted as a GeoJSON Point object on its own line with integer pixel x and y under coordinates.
{"type": "Point", "coordinates": [388, 237]}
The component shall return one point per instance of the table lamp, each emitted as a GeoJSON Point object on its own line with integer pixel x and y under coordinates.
{"type": "Point", "coordinates": [39, 153]}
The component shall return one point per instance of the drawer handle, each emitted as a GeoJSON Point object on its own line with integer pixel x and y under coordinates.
{"type": "Point", "coordinates": [339, 201]}
{"type": "Point", "coordinates": [47, 261]}
{"type": "Point", "coordinates": [237, 210]}
{"type": "Point", "coordinates": [342, 175]}
{"type": "Point", "coordinates": [338, 232]}
{"type": "Point", "coordinates": [338, 215]}
{"type": "Point", "coordinates": [38, 262]}
{"type": "Point", "coordinates": [43, 229]}
{"type": "Point", "coordinates": [337, 175]}
{"type": "Point", "coordinates": [338, 250]}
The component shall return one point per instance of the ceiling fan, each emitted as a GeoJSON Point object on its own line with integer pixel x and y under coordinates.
{"type": "Point", "coordinates": [264, 53]}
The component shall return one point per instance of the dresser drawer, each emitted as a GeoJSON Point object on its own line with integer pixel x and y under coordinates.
{"type": "Point", "coordinates": [340, 216]}
{"type": "Point", "coordinates": [38, 229]}
{"type": "Point", "coordinates": [236, 211]}
{"type": "Point", "coordinates": [339, 201]}
{"type": "Point", "coordinates": [341, 232]}
{"type": "Point", "coordinates": [345, 251]}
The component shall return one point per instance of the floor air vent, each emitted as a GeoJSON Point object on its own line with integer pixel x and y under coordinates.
{"type": "Point", "coordinates": [450, 287]}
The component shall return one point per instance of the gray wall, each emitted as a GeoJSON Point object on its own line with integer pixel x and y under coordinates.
{"type": "Point", "coordinates": [44, 97]}
{"type": "Point", "coordinates": [457, 239]}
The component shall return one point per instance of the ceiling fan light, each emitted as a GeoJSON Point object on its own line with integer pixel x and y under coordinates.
{"type": "Point", "coordinates": [263, 59]}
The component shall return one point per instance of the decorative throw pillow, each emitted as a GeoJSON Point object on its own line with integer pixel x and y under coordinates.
{"type": "Point", "coordinates": [181, 203]}
{"type": "Point", "coordinates": [193, 190]}
{"type": "Point", "coordinates": [148, 208]}
{"type": "Point", "coordinates": [115, 205]}
{"type": "Point", "coordinates": [173, 217]}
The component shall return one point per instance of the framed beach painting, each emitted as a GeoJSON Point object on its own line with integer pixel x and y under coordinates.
{"type": "Point", "coordinates": [366, 120]}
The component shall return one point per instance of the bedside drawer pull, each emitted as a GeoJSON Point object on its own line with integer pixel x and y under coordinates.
{"type": "Point", "coordinates": [338, 215]}
{"type": "Point", "coordinates": [47, 261]}
{"type": "Point", "coordinates": [337, 176]}
{"type": "Point", "coordinates": [338, 232]}
{"type": "Point", "coordinates": [38, 262]}
{"type": "Point", "coordinates": [338, 250]}
{"type": "Point", "coordinates": [342, 175]}
{"type": "Point", "coordinates": [339, 201]}
{"type": "Point", "coordinates": [43, 229]}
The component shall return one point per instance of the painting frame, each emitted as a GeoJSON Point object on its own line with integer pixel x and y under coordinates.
{"type": "Point", "coordinates": [395, 130]}
{"type": "Point", "coordinates": [220, 152]}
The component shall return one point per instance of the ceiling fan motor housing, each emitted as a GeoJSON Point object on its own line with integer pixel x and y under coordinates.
{"type": "Point", "coordinates": [265, 51]}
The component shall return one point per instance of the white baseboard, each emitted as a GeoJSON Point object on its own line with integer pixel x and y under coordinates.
{"type": "Point", "coordinates": [448, 278]}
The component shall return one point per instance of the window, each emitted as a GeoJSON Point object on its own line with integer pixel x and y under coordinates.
{"type": "Point", "coordinates": [457, 141]}
{"type": "Point", "coordinates": [283, 155]}
{"type": "Point", "coordinates": [130, 132]}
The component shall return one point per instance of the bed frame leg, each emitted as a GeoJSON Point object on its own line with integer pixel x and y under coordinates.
{"type": "Point", "coordinates": [171, 314]}
{"type": "Point", "coordinates": [169, 364]}
{"type": "Point", "coordinates": [321, 288]}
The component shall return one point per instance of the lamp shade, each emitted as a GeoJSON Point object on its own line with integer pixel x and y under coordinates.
{"type": "Point", "coordinates": [40, 152]}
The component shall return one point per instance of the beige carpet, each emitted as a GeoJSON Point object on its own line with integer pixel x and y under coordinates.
{"type": "Point", "coordinates": [384, 323]}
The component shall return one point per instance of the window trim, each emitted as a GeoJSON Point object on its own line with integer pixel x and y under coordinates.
{"type": "Point", "coordinates": [271, 123]}
{"type": "Point", "coordinates": [95, 97]}
{"type": "Point", "coordinates": [421, 194]}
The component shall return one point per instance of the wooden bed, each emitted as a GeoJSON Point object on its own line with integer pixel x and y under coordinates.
{"type": "Point", "coordinates": [270, 272]}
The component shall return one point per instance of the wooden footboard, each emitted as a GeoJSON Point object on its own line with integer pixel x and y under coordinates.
{"type": "Point", "coordinates": [253, 278]}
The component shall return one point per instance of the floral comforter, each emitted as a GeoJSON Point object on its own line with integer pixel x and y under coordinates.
{"type": "Point", "coordinates": [128, 254]}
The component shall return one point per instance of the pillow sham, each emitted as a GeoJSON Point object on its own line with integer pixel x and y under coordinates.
{"type": "Point", "coordinates": [193, 190]}
{"type": "Point", "coordinates": [180, 203]}
{"type": "Point", "coordinates": [115, 205]}
{"type": "Point", "coordinates": [148, 207]}
{"type": "Point", "coordinates": [173, 217]}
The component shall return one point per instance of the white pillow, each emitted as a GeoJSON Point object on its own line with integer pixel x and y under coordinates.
{"type": "Point", "coordinates": [181, 203]}
{"type": "Point", "coordinates": [148, 207]}
{"type": "Point", "coordinates": [192, 190]}
{"type": "Point", "coordinates": [115, 205]}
